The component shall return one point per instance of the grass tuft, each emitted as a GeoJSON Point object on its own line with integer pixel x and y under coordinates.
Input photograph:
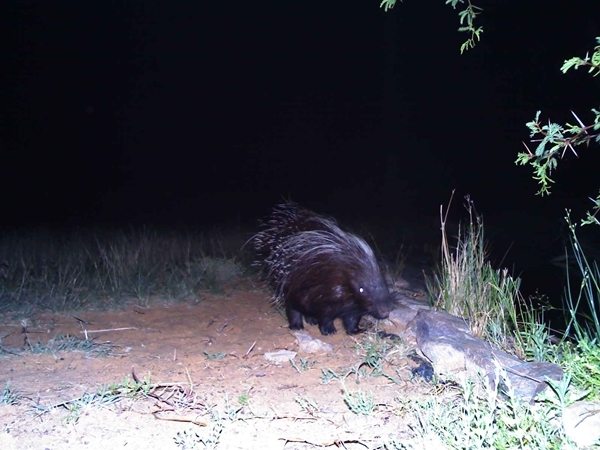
{"type": "Point", "coordinates": [359, 402]}
{"type": "Point", "coordinates": [9, 396]}
{"type": "Point", "coordinates": [466, 285]}
{"type": "Point", "coordinates": [480, 416]}
{"type": "Point", "coordinates": [102, 269]}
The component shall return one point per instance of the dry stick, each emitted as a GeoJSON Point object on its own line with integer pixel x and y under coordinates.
{"type": "Point", "coordinates": [189, 379]}
{"type": "Point", "coordinates": [223, 327]}
{"type": "Point", "coordinates": [336, 442]}
{"type": "Point", "coordinates": [153, 385]}
{"type": "Point", "coordinates": [179, 419]}
{"type": "Point", "coordinates": [250, 349]}
{"type": "Point", "coordinates": [157, 414]}
{"type": "Point", "coordinates": [110, 329]}
{"type": "Point", "coordinates": [81, 321]}
{"type": "Point", "coordinates": [166, 401]}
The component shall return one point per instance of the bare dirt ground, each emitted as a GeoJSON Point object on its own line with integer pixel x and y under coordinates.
{"type": "Point", "coordinates": [193, 399]}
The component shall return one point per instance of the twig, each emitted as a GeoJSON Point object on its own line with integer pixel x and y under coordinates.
{"type": "Point", "coordinates": [178, 419]}
{"type": "Point", "coordinates": [111, 329]}
{"type": "Point", "coordinates": [337, 442]}
{"type": "Point", "coordinates": [250, 349]}
{"type": "Point", "coordinates": [222, 327]}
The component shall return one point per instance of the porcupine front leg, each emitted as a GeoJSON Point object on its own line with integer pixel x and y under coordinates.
{"type": "Point", "coordinates": [351, 322]}
{"type": "Point", "coordinates": [294, 318]}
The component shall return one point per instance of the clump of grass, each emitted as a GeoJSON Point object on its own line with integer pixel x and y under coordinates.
{"type": "Point", "coordinates": [69, 343]}
{"type": "Point", "coordinates": [63, 343]}
{"type": "Point", "coordinates": [378, 357]}
{"type": "Point", "coordinates": [105, 396]}
{"type": "Point", "coordinates": [533, 338]}
{"type": "Point", "coordinates": [308, 405]}
{"type": "Point", "coordinates": [244, 399]}
{"type": "Point", "coordinates": [194, 438]}
{"type": "Point", "coordinates": [70, 271]}
{"type": "Point", "coordinates": [375, 350]}
{"type": "Point", "coordinates": [328, 374]}
{"type": "Point", "coordinates": [305, 364]}
{"type": "Point", "coordinates": [189, 439]}
{"type": "Point", "coordinates": [466, 285]}
{"type": "Point", "coordinates": [582, 362]}
{"type": "Point", "coordinates": [360, 402]}
{"type": "Point", "coordinates": [582, 359]}
{"type": "Point", "coordinates": [173, 396]}
{"type": "Point", "coordinates": [481, 416]}
{"type": "Point", "coordinates": [9, 396]}
{"type": "Point", "coordinates": [584, 323]}
{"type": "Point", "coordinates": [214, 356]}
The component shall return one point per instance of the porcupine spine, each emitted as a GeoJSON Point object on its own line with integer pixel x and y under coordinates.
{"type": "Point", "coordinates": [320, 272]}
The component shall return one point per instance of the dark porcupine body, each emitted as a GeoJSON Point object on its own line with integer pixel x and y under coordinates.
{"type": "Point", "coordinates": [320, 272]}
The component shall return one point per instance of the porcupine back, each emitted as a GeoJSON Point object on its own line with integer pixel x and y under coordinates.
{"type": "Point", "coordinates": [319, 271]}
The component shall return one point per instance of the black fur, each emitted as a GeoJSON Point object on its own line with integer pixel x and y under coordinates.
{"type": "Point", "coordinates": [320, 272]}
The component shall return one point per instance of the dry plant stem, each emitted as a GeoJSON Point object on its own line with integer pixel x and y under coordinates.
{"type": "Point", "coordinates": [250, 349]}
{"type": "Point", "coordinates": [222, 327]}
{"type": "Point", "coordinates": [157, 415]}
{"type": "Point", "coordinates": [446, 255]}
{"type": "Point", "coordinates": [445, 245]}
{"type": "Point", "coordinates": [110, 329]}
{"type": "Point", "coordinates": [338, 443]}
{"type": "Point", "coordinates": [167, 401]}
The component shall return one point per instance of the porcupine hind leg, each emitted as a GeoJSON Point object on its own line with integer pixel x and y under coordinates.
{"type": "Point", "coordinates": [294, 318]}
{"type": "Point", "coordinates": [351, 322]}
{"type": "Point", "coordinates": [311, 320]}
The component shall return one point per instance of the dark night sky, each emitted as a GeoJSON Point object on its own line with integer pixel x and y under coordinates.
{"type": "Point", "coordinates": [164, 111]}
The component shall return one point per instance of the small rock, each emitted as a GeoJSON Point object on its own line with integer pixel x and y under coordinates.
{"type": "Point", "coordinates": [7, 441]}
{"type": "Point", "coordinates": [582, 423]}
{"type": "Point", "coordinates": [308, 344]}
{"type": "Point", "coordinates": [280, 356]}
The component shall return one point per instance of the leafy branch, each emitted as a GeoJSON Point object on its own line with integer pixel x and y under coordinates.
{"type": "Point", "coordinates": [593, 63]}
{"type": "Point", "coordinates": [466, 18]}
{"type": "Point", "coordinates": [387, 4]}
{"type": "Point", "coordinates": [468, 15]}
{"type": "Point", "coordinates": [553, 140]}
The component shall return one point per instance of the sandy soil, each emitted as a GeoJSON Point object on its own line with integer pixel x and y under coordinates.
{"type": "Point", "coordinates": [241, 401]}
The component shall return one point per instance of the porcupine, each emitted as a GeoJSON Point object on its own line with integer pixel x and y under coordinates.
{"type": "Point", "coordinates": [320, 272]}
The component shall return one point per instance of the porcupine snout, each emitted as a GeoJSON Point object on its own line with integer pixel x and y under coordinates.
{"type": "Point", "coordinates": [375, 298]}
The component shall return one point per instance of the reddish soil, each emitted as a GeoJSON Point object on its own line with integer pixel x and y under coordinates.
{"type": "Point", "coordinates": [252, 402]}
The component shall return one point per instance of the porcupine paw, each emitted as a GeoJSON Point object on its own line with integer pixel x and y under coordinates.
{"type": "Point", "coordinates": [326, 327]}
{"type": "Point", "coordinates": [351, 324]}
{"type": "Point", "coordinates": [294, 319]}
{"type": "Point", "coordinates": [311, 320]}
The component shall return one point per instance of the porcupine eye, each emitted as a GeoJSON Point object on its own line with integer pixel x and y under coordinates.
{"type": "Point", "coordinates": [361, 289]}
